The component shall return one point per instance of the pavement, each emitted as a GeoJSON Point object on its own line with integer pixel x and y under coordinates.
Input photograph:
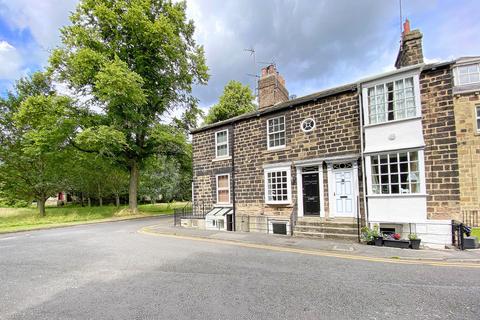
{"type": "Point", "coordinates": [341, 248]}
{"type": "Point", "coordinates": [124, 270]}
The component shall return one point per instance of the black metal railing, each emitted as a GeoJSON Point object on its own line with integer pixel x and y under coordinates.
{"type": "Point", "coordinates": [458, 230]}
{"type": "Point", "coordinates": [358, 220]}
{"type": "Point", "coordinates": [194, 210]}
{"type": "Point", "coordinates": [470, 218]}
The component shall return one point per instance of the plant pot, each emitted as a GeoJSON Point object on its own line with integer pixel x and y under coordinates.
{"type": "Point", "coordinates": [379, 241]}
{"type": "Point", "coordinates": [415, 244]}
{"type": "Point", "coordinates": [371, 242]}
{"type": "Point", "coordinates": [404, 244]}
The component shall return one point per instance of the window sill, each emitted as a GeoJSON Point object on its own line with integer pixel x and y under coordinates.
{"type": "Point", "coordinates": [400, 195]}
{"type": "Point", "coordinates": [222, 159]}
{"type": "Point", "coordinates": [282, 203]}
{"type": "Point", "coordinates": [276, 149]}
{"type": "Point", "coordinates": [391, 122]}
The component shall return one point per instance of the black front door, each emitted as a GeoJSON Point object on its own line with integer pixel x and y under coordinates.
{"type": "Point", "coordinates": [311, 194]}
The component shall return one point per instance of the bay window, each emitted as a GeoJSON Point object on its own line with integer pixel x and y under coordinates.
{"type": "Point", "coordinates": [393, 100]}
{"type": "Point", "coordinates": [278, 186]}
{"type": "Point", "coordinates": [396, 173]}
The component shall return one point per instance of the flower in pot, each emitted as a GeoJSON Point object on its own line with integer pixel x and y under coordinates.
{"type": "Point", "coordinates": [394, 240]}
{"type": "Point", "coordinates": [414, 241]}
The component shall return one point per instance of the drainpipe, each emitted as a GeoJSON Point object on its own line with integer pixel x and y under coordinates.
{"type": "Point", "coordinates": [233, 179]}
{"type": "Point", "coordinates": [364, 175]}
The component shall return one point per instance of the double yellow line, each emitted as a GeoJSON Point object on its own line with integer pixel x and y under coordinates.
{"type": "Point", "coordinates": [319, 253]}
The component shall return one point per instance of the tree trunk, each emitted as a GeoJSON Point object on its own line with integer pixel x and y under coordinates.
{"type": "Point", "coordinates": [41, 206]}
{"type": "Point", "coordinates": [133, 187]}
{"type": "Point", "coordinates": [117, 200]}
{"type": "Point", "coordinates": [82, 199]}
{"type": "Point", "coordinates": [89, 202]}
{"type": "Point", "coordinates": [100, 201]}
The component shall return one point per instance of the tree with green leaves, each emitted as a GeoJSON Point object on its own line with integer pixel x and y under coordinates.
{"type": "Point", "coordinates": [160, 179]}
{"type": "Point", "coordinates": [35, 123]}
{"type": "Point", "coordinates": [137, 60]}
{"type": "Point", "coordinates": [236, 99]}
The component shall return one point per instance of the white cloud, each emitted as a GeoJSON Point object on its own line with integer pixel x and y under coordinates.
{"type": "Point", "coordinates": [11, 66]}
{"type": "Point", "coordinates": [42, 18]}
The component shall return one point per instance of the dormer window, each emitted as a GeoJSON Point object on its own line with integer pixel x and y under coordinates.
{"type": "Point", "coordinates": [393, 100]}
{"type": "Point", "coordinates": [467, 74]}
{"type": "Point", "coordinates": [221, 144]}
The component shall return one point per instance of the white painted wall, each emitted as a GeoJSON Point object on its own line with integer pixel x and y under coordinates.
{"type": "Point", "coordinates": [396, 135]}
{"type": "Point", "coordinates": [209, 223]}
{"type": "Point", "coordinates": [434, 233]}
{"type": "Point", "coordinates": [397, 209]}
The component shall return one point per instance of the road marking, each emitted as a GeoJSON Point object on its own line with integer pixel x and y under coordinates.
{"type": "Point", "coordinates": [8, 238]}
{"type": "Point", "coordinates": [320, 253]}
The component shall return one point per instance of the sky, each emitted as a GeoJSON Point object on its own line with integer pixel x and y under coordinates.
{"type": "Point", "coordinates": [315, 44]}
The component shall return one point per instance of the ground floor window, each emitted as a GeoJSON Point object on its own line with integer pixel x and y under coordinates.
{"type": "Point", "coordinates": [396, 173]}
{"type": "Point", "coordinates": [223, 189]}
{"type": "Point", "coordinates": [277, 185]}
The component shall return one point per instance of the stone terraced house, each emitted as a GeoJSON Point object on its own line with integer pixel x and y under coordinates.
{"type": "Point", "coordinates": [400, 149]}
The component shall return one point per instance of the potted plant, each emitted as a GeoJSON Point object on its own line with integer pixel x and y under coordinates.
{"type": "Point", "coordinates": [367, 235]}
{"type": "Point", "coordinates": [372, 236]}
{"type": "Point", "coordinates": [414, 241]}
{"type": "Point", "coordinates": [377, 236]}
{"type": "Point", "coordinates": [394, 241]}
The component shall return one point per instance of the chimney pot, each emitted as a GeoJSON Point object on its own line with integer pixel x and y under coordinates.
{"type": "Point", "coordinates": [406, 26]}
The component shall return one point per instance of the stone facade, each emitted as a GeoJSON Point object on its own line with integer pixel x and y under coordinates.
{"type": "Point", "coordinates": [337, 133]}
{"type": "Point", "coordinates": [468, 149]}
{"type": "Point", "coordinates": [441, 157]}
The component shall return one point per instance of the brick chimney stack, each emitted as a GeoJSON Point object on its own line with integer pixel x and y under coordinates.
{"type": "Point", "coordinates": [271, 88]}
{"type": "Point", "coordinates": [411, 51]}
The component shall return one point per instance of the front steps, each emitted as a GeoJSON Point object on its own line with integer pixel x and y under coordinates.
{"type": "Point", "coordinates": [319, 228]}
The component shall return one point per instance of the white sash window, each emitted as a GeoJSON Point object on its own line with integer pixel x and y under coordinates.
{"type": "Point", "coordinates": [278, 186]}
{"type": "Point", "coordinates": [276, 133]}
{"type": "Point", "coordinates": [396, 173]}
{"type": "Point", "coordinates": [394, 100]}
{"type": "Point", "coordinates": [221, 144]}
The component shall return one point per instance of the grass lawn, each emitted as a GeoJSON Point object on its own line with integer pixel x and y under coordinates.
{"type": "Point", "coordinates": [476, 232]}
{"type": "Point", "coordinates": [16, 219]}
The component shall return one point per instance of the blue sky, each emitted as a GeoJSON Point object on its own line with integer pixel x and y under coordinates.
{"type": "Point", "coordinates": [316, 44]}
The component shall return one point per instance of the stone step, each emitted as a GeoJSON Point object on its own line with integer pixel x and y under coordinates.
{"type": "Point", "coordinates": [326, 229]}
{"type": "Point", "coordinates": [323, 235]}
{"type": "Point", "coordinates": [326, 224]}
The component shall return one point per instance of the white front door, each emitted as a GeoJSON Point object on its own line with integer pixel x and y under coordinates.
{"type": "Point", "coordinates": [343, 193]}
